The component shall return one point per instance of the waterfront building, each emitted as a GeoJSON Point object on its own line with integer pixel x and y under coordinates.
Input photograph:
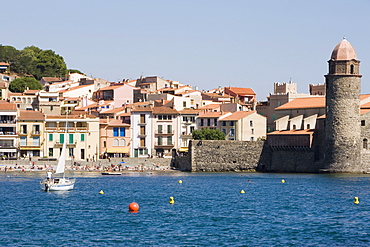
{"type": "Point", "coordinates": [141, 131]}
{"type": "Point", "coordinates": [26, 100]}
{"type": "Point", "coordinates": [121, 94]}
{"type": "Point", "coordinates": [246, 97]}
{"type": "Point", "coordinates": [115, 138]}
{"type": "Point", "coordinates": [30, 126]}
{"type": "Point", "coordinates": [187, 119]}
{"type": "Point", "coordinates": [8, 132]}
{"type": "Point", "coordinates": [166, 131]}
{"type": "Point", "coordinates": [243, 126]}
{"type": "Point", "coordinates": [82, 136]}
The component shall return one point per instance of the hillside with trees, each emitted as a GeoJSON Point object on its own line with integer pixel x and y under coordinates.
{"type": "Point", "coordinates": [33, 62]}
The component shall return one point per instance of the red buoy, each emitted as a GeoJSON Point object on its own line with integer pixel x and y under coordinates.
{"type": "Point", "coordinates": [133, 207]}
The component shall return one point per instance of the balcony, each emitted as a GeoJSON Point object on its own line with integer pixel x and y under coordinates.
{"type": "Point", "coordinates": [141, 135]}
{"type": "Point", "coordinates": [163, 145]}
{"type": "Point", "coordinates": [35, 133]}
{"type": "Point", "coordinates": [162, 133]}
{"type": "Point", "coordinates": [7, 146]}
{"type": "Point", "coordinates": [69, 145]}
{"type": "Point", "coordinates": [186, 135]}
{"type": "Point", "coordinates": [8, 133]}
{"type": "Point", "coordinates": [140, 123]}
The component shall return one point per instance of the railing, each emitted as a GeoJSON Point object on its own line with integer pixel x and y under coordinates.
{"type": "Point", "coordinates": [164, 144]}
{"type": "Point", "coordinates": [164, 132]}
{"type": "Point", "coordinates": [7, 122]}
{"type": "Point", "coordinates": [7, 133]}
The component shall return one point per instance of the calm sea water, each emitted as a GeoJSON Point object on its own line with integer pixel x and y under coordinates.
{"type": "Point", "coordinates": [306, 210]}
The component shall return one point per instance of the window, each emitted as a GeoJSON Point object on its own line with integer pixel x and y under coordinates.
{"type": "Point", "coordinates": [184, 104]}
{"type": "Point", "coordinates": [208, 122]}
{"type": "Point", "coordinates": [201, 122]}
{"type": "Point", "coordinates": [122, 131]}
{"type": "Point", "coordinates": [50, 137]}
{"type": "Point", "coordinates": [364, 143]}
{"type": "Point", "coordinates": [51, 152]}
{"type": "Point", "coordinates": [223, 131]}
{"type": "Point", "coordinates": [23, 141]}
{"type": "Point", "coordinates": [160, 129]}
{"type": "Point", "coordinates": [308, 126]}
{"type": "Point", "coordinates": [36, 141]}
{"type": "Point", "coordinates": [232, 123]}
{"type": "Point", "coordinates": [82, 137]}
{"type": "Point", "coordinates": [169, 140]}
{"type": "Point", "coordinates": [70, 138]}
{"type": "Point", "coordinates": [142, 118]}
{"type": "Point", "coordinates": [185, 119]}
{"type": "Point", "coordinates": [192, 129]}
{"type": "Point", "coordinates": [115, 142]}
{"type": "Point", "coordinates": [169, 129]}
{"type": "Point", "coordinates": [51, 108]}
{"type": "Point", "coordinates": [70, 152]}
{"type": "Point", "coordinates": [252, 139]}
{"type": "Point", "coordinates": [164, 117]}
{"type": "Point", "coordinates": [362, 122]}
{"type": "Point", "coordinates": [122, 142]}
{"type": "Point", "coordinates": [160, 140]}
{"type": "Point", "coordinates": [160, 117]}
{"type": "Point", "coordinates": [192, 119]}
{"type": "Point", "coordinates": [232, 132]}
{"type": "Point", "coordinates": [104, 144]}
{"type": "Point", "coordinates": [142, 142]}
{"type": "Point", "coordinates": [23, 129]}
{"type": "Point", "coordinates": [352, 69]}
{"type": "Point", "coordinates": [251, 123]}
{"type": "Point", "coordinates": [252, 130]}
{"type": "Point", "coordinates": [223, 123]}
{"type": "Point", "coordinates": [142, 130]}
{"type": "Point", "coordinates": [61, 138]}
{"type": "Point", "coordinates": [36, 129]}
{"type": "Point", "coordinates": [115, 131]}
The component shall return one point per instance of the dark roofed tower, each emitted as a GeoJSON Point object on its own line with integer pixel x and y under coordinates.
{"type": "Point", "coordinates": [342, 137]}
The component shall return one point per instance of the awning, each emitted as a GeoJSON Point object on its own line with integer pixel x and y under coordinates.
{"type": "Point", "coordinates": [30, 148]}
{"type": "Point", "coordinates": [184, 149]}
{"type": "Point", "coordinates": [118, 150]}
{"type": "Point", "coordinates": [8, 150]}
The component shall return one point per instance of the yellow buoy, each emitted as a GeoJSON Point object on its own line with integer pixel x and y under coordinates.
{"type": "Point", "coordinates": [242, 191]}
{"type": "Point", "coordinates": [172, 200]}
{"type": "Point", "coordinates": [180, 181]}
{"type": "Point", "coordinates": [101, 192]}
{"type": "Point", "coordinates": [356, 201]}
{"type": "Point", "coordinates": [282, 181]}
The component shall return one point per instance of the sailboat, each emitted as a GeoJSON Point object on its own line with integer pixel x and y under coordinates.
{"type": "Point", "coordinates": [59, 183]}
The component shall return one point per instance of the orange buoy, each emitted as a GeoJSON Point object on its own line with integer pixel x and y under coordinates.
{"type": "Point", "coordinates": [133, 207]}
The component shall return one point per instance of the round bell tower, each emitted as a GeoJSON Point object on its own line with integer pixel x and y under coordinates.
{"type": "Point", "coordinates": [342, 125]}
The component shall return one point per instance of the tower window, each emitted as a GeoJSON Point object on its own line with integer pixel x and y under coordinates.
{"type": "Point", "coordinates": [362, 122]}
{"type": "Point", "coordinates": [364, 143]}
{"type": "Point", "coordinates": [352, 69]}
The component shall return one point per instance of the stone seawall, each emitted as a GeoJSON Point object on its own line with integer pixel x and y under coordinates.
{"type": "Point", "coordinates": [220, 156]}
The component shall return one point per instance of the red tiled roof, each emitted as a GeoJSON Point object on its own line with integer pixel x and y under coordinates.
{"type": "Point", "coordinates": [241, 91]}
{"type": "Point", "coordinates": [31, 115]}
{"type": "Point", "coordinates": [301, 103]}
{"type": "Point", "coordinates": [6, 106]}
{"type": "Point", "coordinates": [212, 114]}
{"type": "Point", "coordinates": [164, 110]}
{"type": "Point", "coordinates": [210, 106]}
{"type": "Point", "coordinates": [238, 115]}
{"type": "Point", "coordinates": [293, 132]}
{"type": "Point", "coordinates": [190, 111]}
{"type": "Point", "coordinates": [51, 79]}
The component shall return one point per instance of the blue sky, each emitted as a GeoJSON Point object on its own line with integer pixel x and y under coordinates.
{"type": "Point", "coordinates": [205, 43]}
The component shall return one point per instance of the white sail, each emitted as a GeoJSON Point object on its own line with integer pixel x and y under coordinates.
{"type": "Point", "coordinates": [62, 159]}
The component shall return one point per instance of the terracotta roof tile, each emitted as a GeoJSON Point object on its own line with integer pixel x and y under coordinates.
{"type": "Point", "coordinates": [216, 114]}
{"type": "Point", "coordinates": [300, 103]}
{"type": "Point", "coordinates": [6, 106]}
{"type": "Point", "coordinates": [293, 132]}
{"type": "Point", "coordinates": [31, 115]}
{"type": "Point", "coordinates": [238, 115]}
{"type": "Point", "coordinates": [164, 110]}
{"type": "Point", "coordinates": [241, 91]}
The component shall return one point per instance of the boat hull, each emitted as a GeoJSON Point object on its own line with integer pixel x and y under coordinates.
{"type": "Point", "coordinates": [62, 184]}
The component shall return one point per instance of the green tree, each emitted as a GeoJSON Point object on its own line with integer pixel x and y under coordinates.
{"type": "Point", "coordinates": [208, 134]}
{"type": "Point", "coordinates": [8, 54]}
{"type": "Point", "coordinates": [75, 71]}
{"type": "Point", "coordinates": [50, 64]}
{"type": "Point", "coordinates": [21, 84]}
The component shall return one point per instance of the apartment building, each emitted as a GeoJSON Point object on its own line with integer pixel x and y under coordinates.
{"type": "Point", "coordinates": [8, 132]}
